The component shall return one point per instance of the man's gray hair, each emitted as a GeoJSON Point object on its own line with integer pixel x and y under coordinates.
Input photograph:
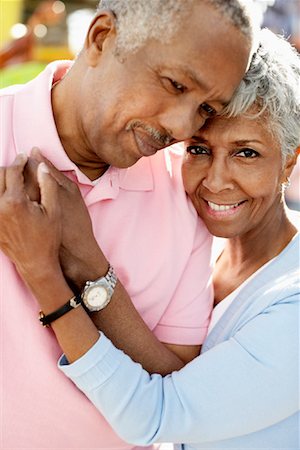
{"type": "Point", "coordinates": [272, 83]}
{"type": "Point", "coordinates": [140, 20]}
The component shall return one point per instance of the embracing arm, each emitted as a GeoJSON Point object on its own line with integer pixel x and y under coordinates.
{"type": "Point", "coordinates": [119, 320]}
{"type": "Point", "coordinates": [231, 390]}
{"type": "Point", "coordinates": [241, 386]}
{"type": "Point", "coordinates": [82, 260]}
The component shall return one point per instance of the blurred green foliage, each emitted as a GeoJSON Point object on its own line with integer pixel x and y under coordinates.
{"type": "Point", "coordinates": [20, 73]}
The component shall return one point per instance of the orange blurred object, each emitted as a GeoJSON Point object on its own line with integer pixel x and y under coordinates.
{"type": "Point", "coordinates": [22, 49]}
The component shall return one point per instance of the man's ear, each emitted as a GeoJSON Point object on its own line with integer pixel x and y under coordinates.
{"type": "Point", "coordinates": [101, 28]}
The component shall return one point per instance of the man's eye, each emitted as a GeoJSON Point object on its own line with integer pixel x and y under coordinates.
{"type": "Point", "coordinates": [247, 153]}
{"type": "Point", "coordinates": [197, 150]}
{"type": "Point", "coordinates": [208, 110]}
{"type": "Point", "coordinates": [177, 86]}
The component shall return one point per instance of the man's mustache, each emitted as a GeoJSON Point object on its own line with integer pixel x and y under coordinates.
{"type": "Point", "coordinates": [163, 139]}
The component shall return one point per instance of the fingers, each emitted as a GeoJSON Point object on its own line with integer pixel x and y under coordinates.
{"type": "Point", "coordinates": [14, 178]}
{"type": "Point", "coordinates": [49, 189]}
{"type": "Point", "coordinates": [2, 181]}
{"type": "Point", "coordinates": [30, 180]}
{"type": "Point", "coordinates": [59, 177]}
{"type": "Point", "coordinates": [37, 155]}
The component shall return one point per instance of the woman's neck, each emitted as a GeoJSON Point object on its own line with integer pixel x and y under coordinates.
{"type": "Point", "coordinates": [244, 255]}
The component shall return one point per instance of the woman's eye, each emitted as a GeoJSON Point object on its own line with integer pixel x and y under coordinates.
{"type": "Point", "coordinates": [208, 110]}
{"type": "Point", "coordinates": [197, 150]}
{"type": "Point", "coordinates": [247, 153]}
{"type": "Point", "coordinates": [177, 86]}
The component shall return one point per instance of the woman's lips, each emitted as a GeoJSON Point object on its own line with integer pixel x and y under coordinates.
{"type": "Point", "coordinates": [223, 210]}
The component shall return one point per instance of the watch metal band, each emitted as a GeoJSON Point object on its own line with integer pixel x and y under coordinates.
{"type": "Point", "coordinates": [73, 303]}
{"type": "Point", "coordinates": [110, 277]}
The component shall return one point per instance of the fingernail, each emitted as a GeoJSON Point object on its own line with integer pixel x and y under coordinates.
{"type": "Point", "coordinates": [43, 168]}
{"type": "Point", "coordinates": [35, 151]}
{"type": "Point", "coordinates": [22, 157]}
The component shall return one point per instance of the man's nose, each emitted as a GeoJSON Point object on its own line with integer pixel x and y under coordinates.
{"type": "Point", "coordinates": [218, 176]}
{"type": "Point", "coordinates": [182, 122]}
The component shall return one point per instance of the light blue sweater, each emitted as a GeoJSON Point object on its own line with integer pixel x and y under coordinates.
{"type": "Point", "coordinates": [241, 393]}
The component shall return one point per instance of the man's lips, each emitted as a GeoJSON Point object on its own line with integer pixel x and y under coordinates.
{"type": "Point", "coordinates": [146, 144]}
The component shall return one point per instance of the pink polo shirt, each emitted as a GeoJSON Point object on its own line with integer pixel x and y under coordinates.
{"type": "Point", "coordinates": [152, 236]}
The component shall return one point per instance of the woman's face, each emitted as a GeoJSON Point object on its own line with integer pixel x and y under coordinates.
{"type": "Point", "coordinates": [233, 173]}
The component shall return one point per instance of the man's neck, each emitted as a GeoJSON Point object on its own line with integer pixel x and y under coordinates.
{"type": "Point", "coordinates": [70, 132]}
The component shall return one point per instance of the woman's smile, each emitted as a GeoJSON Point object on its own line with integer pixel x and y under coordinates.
{"type": "Point", "coordinates": [223, 209]}
{"type": "Point", "coordinates": [233, 172]}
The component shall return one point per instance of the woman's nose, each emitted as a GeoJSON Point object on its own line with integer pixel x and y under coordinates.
{"type": "Point", "coordinates": [218, 177]}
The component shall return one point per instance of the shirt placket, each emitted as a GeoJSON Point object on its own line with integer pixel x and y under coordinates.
{"type": "Point", "coordinates": [106, 189]}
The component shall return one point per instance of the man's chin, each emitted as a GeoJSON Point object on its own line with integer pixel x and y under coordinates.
{"type": "Point", "coordinates": [128, 163]}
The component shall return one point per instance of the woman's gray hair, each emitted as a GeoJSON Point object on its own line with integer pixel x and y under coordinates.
{"type": "Point", "coordinates": [272, 84]}
{"type": "Point", "coordinates": [140, 20]}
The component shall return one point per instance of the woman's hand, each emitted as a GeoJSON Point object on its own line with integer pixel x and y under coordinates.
{"type": "Point", "coordinates": [30, 232]}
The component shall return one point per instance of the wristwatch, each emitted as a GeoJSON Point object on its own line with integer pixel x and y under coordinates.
{"type": "Point", "coordinates": [97, 294]}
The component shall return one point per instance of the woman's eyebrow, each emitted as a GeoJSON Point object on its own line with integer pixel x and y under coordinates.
{"type": "Point", "coordinates": [246, 141]}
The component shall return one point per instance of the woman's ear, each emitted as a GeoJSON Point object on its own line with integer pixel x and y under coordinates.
{"type": "Point", "coordinates": [289, 165]}
{"type": "Point", "coordinates": [101, 29]}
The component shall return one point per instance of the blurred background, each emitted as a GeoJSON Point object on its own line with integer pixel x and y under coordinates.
{"type": "Point", "coordinates": [36, 32]}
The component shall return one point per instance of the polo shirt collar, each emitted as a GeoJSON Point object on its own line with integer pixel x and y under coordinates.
{"type": "Point", "coordinates": [138, 177]}
{"type": "Point", "coordinates": [34, 126]}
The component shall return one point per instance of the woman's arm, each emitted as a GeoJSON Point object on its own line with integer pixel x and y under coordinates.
{"type": "Point", "coordinates": [232, 390]}
{"type": "Point", "coordinates": [243, 385]}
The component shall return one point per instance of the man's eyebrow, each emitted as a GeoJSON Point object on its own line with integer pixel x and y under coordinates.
{"type": "Point", "coordinates": [190, 73]}
{"type": "Point", "coordinates": [196, 78]}
{"type": "Point", "coordinates": [200, 82]}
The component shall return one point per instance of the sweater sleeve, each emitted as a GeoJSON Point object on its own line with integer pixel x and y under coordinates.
{"type": "Point", "coordinates": [240, 386]}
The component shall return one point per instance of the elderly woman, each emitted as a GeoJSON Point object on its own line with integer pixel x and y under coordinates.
{"type": "Point", "coordinates": [241, 392]}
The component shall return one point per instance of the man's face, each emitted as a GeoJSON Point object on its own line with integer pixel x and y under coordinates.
{"type": "Point", "coordinates": [161, 94]}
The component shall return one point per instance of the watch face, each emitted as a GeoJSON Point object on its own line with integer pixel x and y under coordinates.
{"type": "Point", "coordinates": [97, 294]}
{"type": "Point", "coordinates": [96, 297]}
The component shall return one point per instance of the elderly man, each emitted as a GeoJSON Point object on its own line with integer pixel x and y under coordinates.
{"type": "Point", "coordinates": [149, 75]}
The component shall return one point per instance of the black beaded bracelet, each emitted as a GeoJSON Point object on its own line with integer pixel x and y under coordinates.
{"type": "Point", "coordinates": [73, 303]}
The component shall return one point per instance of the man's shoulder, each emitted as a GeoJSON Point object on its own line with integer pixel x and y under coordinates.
{"type": "Point", "coordinates": [55, 69]}
{"type": "Point", "coordinates": [7, 152]}
{"type": "Point", "coordinates": [7, 94]}
{"type": "Point", "coordinates": [168, 162]}
{"type": "Point", "coordinates": [157, 173]}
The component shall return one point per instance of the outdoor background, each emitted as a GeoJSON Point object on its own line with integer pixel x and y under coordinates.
{"type": "Point", "coordinates": [35, 32]}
